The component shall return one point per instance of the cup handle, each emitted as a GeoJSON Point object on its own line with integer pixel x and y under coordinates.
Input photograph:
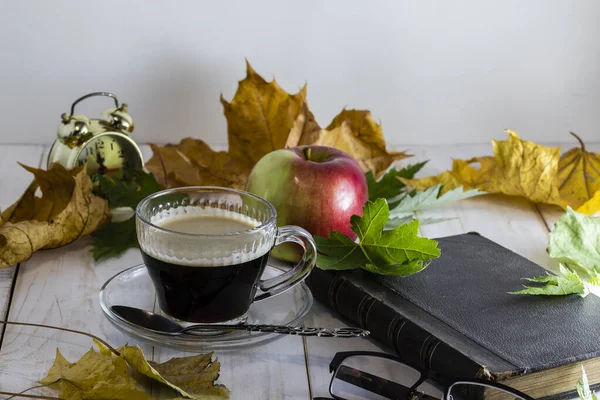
{"type": "Point", "coordinates": [283, 282]}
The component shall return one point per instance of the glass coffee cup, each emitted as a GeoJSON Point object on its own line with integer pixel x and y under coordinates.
{"type": "Point", "coordinates": [205, 249]}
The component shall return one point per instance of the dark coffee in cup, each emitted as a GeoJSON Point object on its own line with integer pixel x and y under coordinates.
{"type": "Point", "coordinates": [205, 289]}
{"type": "Point", "coordinates": [205, 249]}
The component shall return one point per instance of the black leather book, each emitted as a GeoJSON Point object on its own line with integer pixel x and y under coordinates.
{"type": "Point", "coordinates": [457, 318]}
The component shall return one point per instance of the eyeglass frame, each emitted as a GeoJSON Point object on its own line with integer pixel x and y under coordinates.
{"type": "Point", "coordinates": [425, 375]}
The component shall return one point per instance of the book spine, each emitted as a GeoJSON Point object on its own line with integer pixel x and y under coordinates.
{"type": "Point", "coordinates": [414, 345]}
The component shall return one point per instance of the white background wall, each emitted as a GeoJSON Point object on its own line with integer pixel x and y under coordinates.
{"type": "Point", "coordinates": [430, 71]}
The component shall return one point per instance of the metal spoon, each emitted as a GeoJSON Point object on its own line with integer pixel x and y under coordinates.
{"type": "Point", "coordinates": [158, 324]}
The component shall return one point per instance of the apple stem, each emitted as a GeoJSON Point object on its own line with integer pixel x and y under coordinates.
{"type": "Point", "coordinates": [306, 151]}
{"type": "Point", "coordinates": [579, 139]}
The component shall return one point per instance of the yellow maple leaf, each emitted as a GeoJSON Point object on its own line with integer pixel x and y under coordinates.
{"type": "Point", "coordinates": [192, 376]}
{"type": "Point", "coordinates": [192, 162]}
{"type": "Point", "coordinates": [526, 169]}
{"type": "Point", "coordinates": [592, 206]}
{"type": "Point", "coordinates": [261, 118]}
{"type": "Point", "coordinates": [261, 114]}
{"type": "Point", "coordinates": [518, 168]}
{"type": "Point", "coordinates": [96, 375]}
{"type": "Point", "coordinates": [579, 176]}
{"type": "Point", "coordinates": [66, 210]}
{"type": "Point", "coordinates": [358, 134]}
{"type": "Point", "coordinates": [470, 174]}
{"type": "Point", "coordinates": [305, 130]}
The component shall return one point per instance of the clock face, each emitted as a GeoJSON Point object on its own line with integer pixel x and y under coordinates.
{"type": "Point", "coordinates": [109, 153]}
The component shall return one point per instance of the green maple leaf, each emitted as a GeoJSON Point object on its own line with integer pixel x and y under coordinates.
{"type": "Point", "coordinates": [126, 192]}
{"type": "Point", "coordinates": [575, 243]}
{"type": "Point", "coordinates": [113, 239]}
{"type": "Point", "coordinates": [398, 252]}
{"type": "Point", "coordinates": [583, 387]}
{"type": "Point", "coordinates": [426, 199]}
{"type": "Point", "coordinates": [575, 240]}
{"type": "Point", "coordinates": [116, 237]}
{"type": "Point", "coordinates": [558, 285]}
{"type": "Point", "coordinates": [389, 186]}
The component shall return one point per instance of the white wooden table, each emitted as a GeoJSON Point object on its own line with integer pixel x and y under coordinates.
{"type": "Point", "coordinates": [60, 287]}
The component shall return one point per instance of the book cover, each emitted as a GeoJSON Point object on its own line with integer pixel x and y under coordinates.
{"type": "Point", "coordinates": [457, 318]}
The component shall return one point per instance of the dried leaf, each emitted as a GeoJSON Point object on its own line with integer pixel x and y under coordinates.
{"type": "Point", "coordinates": [97, 375]}
{"type": "Point", "coordinates": [592, 206]}
{"type": "Point", "coordinates": [193, 162]}
{"type": "Point", "coordinates": [305, 130]}
{"type": "Point", "coordinates": [48, 222]}
{"type": "Point", "coordinates": [261, 118]}
{"type": "Point", "coordinates": [357, 133]}
{"type": "Point", "coordinates": [518, 168]}
{"type": "Point", "coordinates": [526, 169]}
{"type": "Point", "coordinates": [192, 376]}
{"type": "Point", "coordinates": [579, 176]}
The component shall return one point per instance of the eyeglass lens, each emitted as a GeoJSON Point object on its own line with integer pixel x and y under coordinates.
{"type": "Point", "coordinates": [467, 391]}
{"type": "Point", "coordinates": [377, 378]}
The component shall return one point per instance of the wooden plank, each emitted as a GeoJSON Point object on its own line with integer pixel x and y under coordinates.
{"type": "Point", "coordinates": [320, 351]}
{"type": "Point", "coordinates": [13, 181]}
{"type": "Point", "coordinates": [276, 370]}
{"type": "Point", "coordinates": [512, 222]}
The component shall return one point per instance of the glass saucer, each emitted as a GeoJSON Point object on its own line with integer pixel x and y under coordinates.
{"type": "Point", "coordinates": [133, 287]}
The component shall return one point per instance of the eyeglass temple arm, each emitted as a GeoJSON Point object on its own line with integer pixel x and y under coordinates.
{"type": "Point", "coordinates": [375, 384]}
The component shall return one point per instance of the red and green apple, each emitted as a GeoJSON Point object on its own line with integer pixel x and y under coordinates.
{"type": "Point", "coordinates": [316, 187]}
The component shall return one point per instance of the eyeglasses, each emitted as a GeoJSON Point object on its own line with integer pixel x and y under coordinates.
{"type": "Point", "coordinates": [364, 375]}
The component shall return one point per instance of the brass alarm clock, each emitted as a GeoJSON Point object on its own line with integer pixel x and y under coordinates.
{"type": "Point", "coordinates": [103, 144]}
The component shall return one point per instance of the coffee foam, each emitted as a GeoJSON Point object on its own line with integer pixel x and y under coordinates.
{"type": "Point", "coordinates": [208, 250]}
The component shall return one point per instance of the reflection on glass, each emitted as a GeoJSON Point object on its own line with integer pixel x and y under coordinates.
{"type": "Point", "coordinates": [377, 378]}
{"type": "Point", "coordinates": [467, 391]}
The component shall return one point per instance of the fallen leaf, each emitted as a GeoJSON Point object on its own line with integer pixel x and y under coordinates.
{"type": "Point", "coordinates": [575, 244]}
{"type": "Point", "coordinates": [568, 282]}
{"type": "Point", "coordinates": [115, 237]}
{"type": "Point", "coordinates": [97, 375]}
{"type": "Point", "coordinates": [469, 174]}
{"type": "Point", "coordinates": [192, 162]}
{"type": "Point", "coordinates": [579, 176]}
{"type": "Point", "coordinates": [390, 185]}
{"type": "Point", "coordinates": [592, 206]}
{"type": "Point", "coordinates": [50, 221]}
{"type": "Point", "coordinates": [424, 200]}
{"type": "Point", "coordinates": [583, 387]}
{"type": "Point", "coordinates": [399, 252]}
{"type": "Point", "coordinates": [305, 130]}
{"type": "Point", "coordinates": [518, 168]}
{"type": "Point", "coordinates": [356, 133]}
{"type": "Point", "coordinates": [192, 376]}
{"type": "Point", "coordinates": [575, 240]}
{"type": "Point", "coordinates": [262, 117]}
{"type": "Point", "coordinates": [526, 169]}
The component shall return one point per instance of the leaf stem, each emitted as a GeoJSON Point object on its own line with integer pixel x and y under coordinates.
{"type": "Point", "coordinates": [579, 139]}
{"type": "Point", "coordinates": [29, 396]}
{"type": "Point", "coordinates": [63, 329]}
{"type": "Point", "coordinates": [26, 390]}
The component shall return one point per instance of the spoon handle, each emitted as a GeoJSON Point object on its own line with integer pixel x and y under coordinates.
{"type": "Point", "coordinates": [345, 332]}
